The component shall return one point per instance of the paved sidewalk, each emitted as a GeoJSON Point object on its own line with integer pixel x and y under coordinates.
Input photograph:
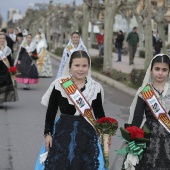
{"type": "Point", "coordinates": [122, 66]}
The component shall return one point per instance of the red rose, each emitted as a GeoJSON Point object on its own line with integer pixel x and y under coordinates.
{"type": "Point", "coordinates": [107, 125]}
{"type": "Point", "coordinates": [101, 120]}
{"type": "Point", "coordinates": [107, 119]}
{"type": "Point", "coordinates": [12, 69]}
{"type": "Point", "coordinates": [35, 55]}
{"type": "Point", "coordinates": [135, 132]}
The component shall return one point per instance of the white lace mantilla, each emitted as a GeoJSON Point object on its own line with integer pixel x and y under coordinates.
{"type": "Point", "coordinates": [92, 88]}
{"type": "Point", "coordinates": [6, 51]}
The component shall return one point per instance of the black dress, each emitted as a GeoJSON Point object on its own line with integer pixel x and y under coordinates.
{"type": "Point", "coordinates": [8, 92]}
{"type": "Point", "coordinates": [157, 154]}
{"type": "Point", "coordinates": [27, 69]}
{"type": "Point", "coordinates": [75, 141]}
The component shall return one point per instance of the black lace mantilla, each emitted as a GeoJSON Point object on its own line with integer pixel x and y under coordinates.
{"type": "Point", "coordinates": [157, 154]}
{"type": "Point", "coordinates": [74, 145]}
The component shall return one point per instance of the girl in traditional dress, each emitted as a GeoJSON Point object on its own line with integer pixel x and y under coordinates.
{"type": "Point", "coordinates": [75, 43]}
{"type": "Point", "coordinates": [157, 155]}
{"type": "Point", "coordinates": [44, 65]}
{"type": "Point", "coordinates": [72, 141]}
{"type": "Point", "coordinates": [26, 63]}
{"type": "Point", "coordinates": [8, 91]}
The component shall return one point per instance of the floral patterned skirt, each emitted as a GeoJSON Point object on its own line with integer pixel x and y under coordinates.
{"type": "Point", "coordinates": [157, 154]}
{"type": "Point", "coordinates": [75, 146]}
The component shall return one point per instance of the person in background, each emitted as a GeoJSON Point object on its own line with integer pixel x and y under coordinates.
{"type": "Point", "coordinates": [158, 45]}
{"type": "Point", "coordinates": [75, 43]}
{"type": "Point", "coordinates": [100, 41]}
{"type": "Point", "coordinates": [8, 92]}
{"type": "Point", "coordinates": [119, 43]}
{"type": "Point", "coordinates": [43, 63]}
{"type": "Point", "coordinates": [11, 34]}
{"type": "Point", "coordinates": [26, 63]}
{"type": "Point", "coordinates": [9, 41]}
{"type": "Point", "coordinates": [16, 32]}
{"type": "Point", "coordinates": [153, 39]}
{"type": "Point", "coordinates": [132, 41]}
{"type": "Point", "coordinates": [17, 47]}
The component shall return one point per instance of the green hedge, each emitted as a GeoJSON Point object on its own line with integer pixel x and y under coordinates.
{"type": "Point", "coordinates": [59, 51]}
{"type": "Point", "coordinates": [97, 63]}
{"type": "Point", "coordinates": [142, 53]}
{"type": "Point", "coordinates": [137, 76]}
{"type": "Point", "coordinates": [95, 46]}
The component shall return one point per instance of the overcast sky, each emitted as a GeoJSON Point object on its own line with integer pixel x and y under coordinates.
{"type": "Point", "coordinates": [23, 4]}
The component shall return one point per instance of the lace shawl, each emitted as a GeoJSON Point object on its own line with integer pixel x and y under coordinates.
{"type": "Point", "coordinates": [92, 88]}
{"type": "Point", "coordinates": [164, 99]}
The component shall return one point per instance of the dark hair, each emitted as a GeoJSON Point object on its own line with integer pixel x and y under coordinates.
{"type": "Point", "coordinates": [75, 32]}
{"type": "Point", "coordinates": [161, 59]}
{"type": "Point", "coordinates": [20, 34]}
{"type": "Point", "coordinates": [135, 28]}
{"type": "Point", "coordinates": [121, 31]}
{"type": "Point", "coordinates": [79, 54]}
{"type": "Point", "coordinates": [4, 30]}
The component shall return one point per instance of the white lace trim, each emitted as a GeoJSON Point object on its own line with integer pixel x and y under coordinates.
{"type": "Point", "coordinates": [147, 79]}
{"type": "Point", "coordinates": [90, 92]}
{"type": "Point", "coordinates": [6, 51]}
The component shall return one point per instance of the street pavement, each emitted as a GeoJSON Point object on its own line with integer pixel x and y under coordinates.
{"type": "Point", "coordinates": [22, 123]}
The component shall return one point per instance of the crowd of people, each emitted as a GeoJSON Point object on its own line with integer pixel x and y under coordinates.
{"type": "Point", "coordinates": [129, 44]}
{"type": "Point", "coordinates": [25, 54]}
{"type": "Point", "coordinates": [71, 140]}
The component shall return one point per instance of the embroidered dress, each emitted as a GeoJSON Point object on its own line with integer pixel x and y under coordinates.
{"type": "Point", "coordinates": [159, 145]}
{"type": "Point", "coordinates": [27, 69]}
{"type": "Point", "coordinates": [8, 89]}
{"type": "Point", "coordinates": [157, 154]}
{"type": "Point", "coordinates": [44, 65]}
{"type": "Point", "coordinates": [81, 148]}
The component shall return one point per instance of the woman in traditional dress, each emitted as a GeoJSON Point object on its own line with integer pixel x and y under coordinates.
{"type": "Point", "coordinates": [17, 47]}
{"type": "Point", "coordinates": [8, 91]}
{"type": "Point", "coordinates": [143, 111]}
{"type": "Point", "coordinates": [44, 65]}
{"type": "Point", "coordinates": [75, 43]}
{"type": "Point", "coordinates": [71, 140]}
{"type": "Point", "coordinates": [26, 63]}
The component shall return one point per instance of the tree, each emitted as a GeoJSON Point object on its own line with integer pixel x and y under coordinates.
{"type": "Point", "coordinates": [86, 18]}
{"type": "Point", "coordinates": [0, 21]}
{"type": "Point", "coordinates": [159, 17]}
{"type": "Point", "coordinates": [111, 9]}
{"type": "Point", "coordinates": [148, 33]}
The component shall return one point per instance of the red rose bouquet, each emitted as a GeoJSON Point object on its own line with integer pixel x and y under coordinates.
{"type": "Point", "coordinates": [107, 126]}
{"type": "Point", "coordinates": [135, 132]}
{"type": "Point", "coordinates": [13, 70]}
{"type": "Point", "coordinates": [136, 139]}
